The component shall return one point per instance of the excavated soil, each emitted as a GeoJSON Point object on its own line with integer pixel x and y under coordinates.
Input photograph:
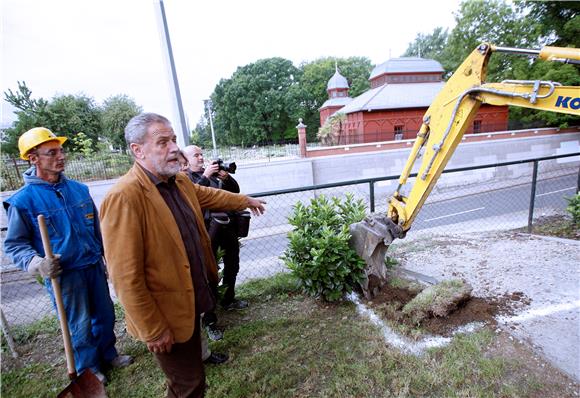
{"type": "Point", "coordinates": [389, 303]}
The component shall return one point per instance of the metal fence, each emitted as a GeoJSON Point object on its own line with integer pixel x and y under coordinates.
{"type": "Point", "coordinates": [104, 166]}
{"type": "Point", "coordinates": [512, 195]}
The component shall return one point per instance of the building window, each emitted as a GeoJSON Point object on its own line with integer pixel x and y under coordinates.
{"type": "Point", "coordinates": [398, 132]}
{"type": "Point", "coordinates": [476, 126]}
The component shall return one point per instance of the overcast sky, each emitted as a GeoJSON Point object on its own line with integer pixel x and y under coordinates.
{"type": "Point", "coordinates": [108, 47]}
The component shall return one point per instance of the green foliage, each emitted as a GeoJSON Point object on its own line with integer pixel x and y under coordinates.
{"type": "Point", "coordinates": [116, 113]}
{"type": "Point", "coordinates": [492, 21]}
{"type": "Point", "coordinates": [83, 143]}
{"type": "Point", "coordinates": [523, 24]}
{"type": "Point", "coordinates": [251, 106]}
{"type": "Point", "coordinates": [318, 252]}
{"type": "Point", "coordinates": [69, 116]}
{"type": "Point", "coordinates": [31, 113]}
{"type": "Point", "coordinates": [429, 46]}
{"type": "Point", "coordinates": [574, 208]}
{"type": "Point", "coordinates": [559, 21]}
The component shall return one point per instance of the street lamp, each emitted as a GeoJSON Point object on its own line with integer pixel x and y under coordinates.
{"type": "Point", "coordinates": [208, 104]}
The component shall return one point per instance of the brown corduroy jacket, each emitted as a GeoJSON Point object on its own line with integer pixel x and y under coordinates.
{"type": "Point", "coordinates": [146, 257]}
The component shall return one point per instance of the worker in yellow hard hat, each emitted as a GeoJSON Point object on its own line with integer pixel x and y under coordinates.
{"type": "Point", "coordinates": [34, 137]}
{"type": "Point", "coordinates": [75, 235]}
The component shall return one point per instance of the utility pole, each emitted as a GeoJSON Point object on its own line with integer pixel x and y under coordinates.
{"type": "Point", "coordinates": [208, 106]}
{"type": "Point", "coordinates": [181, 130]}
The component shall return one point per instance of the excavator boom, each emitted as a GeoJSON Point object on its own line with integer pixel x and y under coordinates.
{"type": "Point", "coordinates": [444, 125]}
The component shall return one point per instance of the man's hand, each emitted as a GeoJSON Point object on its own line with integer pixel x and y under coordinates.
{"type": "Point", "coordinates": [211, 170]}
{"type": "Point", "coordinates": [223, 175]}
{"type": "Point", "coordinates": [162, 344]}
{"type": "Point", "coordinates": [256, 205]}
{"type": "Point", "coordinates": [47, 267]}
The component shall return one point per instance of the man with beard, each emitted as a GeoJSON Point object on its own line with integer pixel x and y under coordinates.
{"type": "Point", "coordinates": [159, 254]}
{"type": "Point", "coordinates": [75, 235]}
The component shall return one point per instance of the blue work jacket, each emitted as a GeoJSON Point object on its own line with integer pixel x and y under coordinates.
{"type": "Point", "coordinates": [71, 219]}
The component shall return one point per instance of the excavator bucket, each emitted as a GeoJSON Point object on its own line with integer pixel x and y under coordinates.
{"type": "Point", "coordinates": [370, 238]}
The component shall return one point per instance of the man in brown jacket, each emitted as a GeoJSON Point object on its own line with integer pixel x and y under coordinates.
{"type": "Point", "coordinates": [158, 252]}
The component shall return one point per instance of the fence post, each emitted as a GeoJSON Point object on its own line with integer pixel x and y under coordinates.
{"type": "Point", "coordinates": [578, 182]}
{"type": "Point", "coordinates": [533, 196]}
{"type": "Point", "coordinates": [302, 137]}
{"type": "Point", "coordinates": [372, 195]}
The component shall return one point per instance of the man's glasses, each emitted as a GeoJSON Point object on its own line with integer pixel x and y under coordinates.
{"type": "Point", "coordinates": [52, 153]}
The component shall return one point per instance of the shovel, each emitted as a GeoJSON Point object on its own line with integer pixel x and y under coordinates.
{"type": "Point", "coordinates": [86, 385]}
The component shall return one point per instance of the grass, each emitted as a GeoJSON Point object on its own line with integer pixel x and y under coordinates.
{"type": "Point", "coordinates": [558, 226]}
{"type": "Point", "coordinates": [290, 345]}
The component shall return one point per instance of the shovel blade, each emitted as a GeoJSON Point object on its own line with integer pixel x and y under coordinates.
{"type": "Point", "coordinates": [85, 386]}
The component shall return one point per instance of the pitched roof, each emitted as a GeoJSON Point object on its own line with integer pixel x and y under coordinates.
{"type": "Point", "coordinates": [338, 101]}
{"type": "Point", "coordinates": [337, 81]}
{"type": "Point", "coordinates": [394, 96]}
{"type": "Point", "coordinates": [406, 65]}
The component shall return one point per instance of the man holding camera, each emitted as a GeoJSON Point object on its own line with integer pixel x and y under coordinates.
{"type": "Point", "coordinates": [216, 176]}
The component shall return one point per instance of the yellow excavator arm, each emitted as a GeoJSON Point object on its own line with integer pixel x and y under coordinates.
{"type": "Point", "coordinates": [444, 124]}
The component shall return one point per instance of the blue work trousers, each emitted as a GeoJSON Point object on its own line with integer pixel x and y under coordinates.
{"type": "Point", "coordinates": [90, 316]}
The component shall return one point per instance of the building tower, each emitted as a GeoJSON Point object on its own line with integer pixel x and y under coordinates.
{"type": "Point", "coordinates": [337, 89]}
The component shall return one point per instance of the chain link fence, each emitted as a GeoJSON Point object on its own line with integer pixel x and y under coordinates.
{"type": "Point", "coordinates": [484, 198]}
{"type": "Point", "coordinates": [104, 166]}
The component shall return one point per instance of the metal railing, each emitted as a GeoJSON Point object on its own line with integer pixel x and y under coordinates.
{"type": "Point", "coordinates": [513, 195]}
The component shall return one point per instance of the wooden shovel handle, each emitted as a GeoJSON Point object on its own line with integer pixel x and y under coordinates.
{"type": "Point", "coordinates": [70, 360]}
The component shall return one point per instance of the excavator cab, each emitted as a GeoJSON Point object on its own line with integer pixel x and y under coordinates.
{"type": "Point", "coordinates": [444, 124]}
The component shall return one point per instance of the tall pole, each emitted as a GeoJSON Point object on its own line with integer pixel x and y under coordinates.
{"type": "Point", "coordinates": [181, 130]}
{"type": "Point", "coordinates": [208, 106]}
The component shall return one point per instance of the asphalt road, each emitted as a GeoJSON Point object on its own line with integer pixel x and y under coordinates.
{"type": "Point", "coordinates": [510, 204]}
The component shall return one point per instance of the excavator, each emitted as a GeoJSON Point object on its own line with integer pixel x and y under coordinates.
{"type": "Point", "coordinates": [444, 124]}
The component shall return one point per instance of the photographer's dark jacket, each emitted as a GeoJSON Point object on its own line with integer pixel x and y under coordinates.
{"type": "Point", "coordinates": [230, 185]}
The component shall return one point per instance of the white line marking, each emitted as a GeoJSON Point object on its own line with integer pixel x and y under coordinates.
{"type": "Point", "coordinates": [402, 343]}
{"type": "Point", "coordinates": [540, 312]}
{"type": "Point", "coordinates": [455, 214]}
{"type": "Point", "coordinates": [560, 190]}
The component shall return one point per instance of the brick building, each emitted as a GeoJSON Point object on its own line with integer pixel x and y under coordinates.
{"type": "Point", "coordinates": [392, 109]}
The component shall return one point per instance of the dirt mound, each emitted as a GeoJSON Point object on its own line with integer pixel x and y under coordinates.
{"type": "Point", "coordinates": [389, 303]}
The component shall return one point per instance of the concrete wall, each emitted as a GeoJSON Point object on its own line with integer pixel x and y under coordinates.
{"type": "Point", "coordinates": [313, 171]}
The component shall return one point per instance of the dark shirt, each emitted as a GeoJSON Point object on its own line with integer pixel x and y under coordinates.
{"type": "Point", "coordinates": [187, 224]}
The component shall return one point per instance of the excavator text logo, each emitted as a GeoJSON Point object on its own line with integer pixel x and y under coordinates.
{"type": "Point", "coordinates": [568, 102]}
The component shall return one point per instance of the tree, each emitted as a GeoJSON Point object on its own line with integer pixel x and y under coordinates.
{"type": "Point", "coordinates": [492, 21]}
{"type": "Point", "coordinates": [69, 115]}
{"type": "Point", "coordinates": [31, 113]}
{"type": "Point", "coordinates": [306, 98]}
{"type": "Point", "coordinates": [201, 134]}
{"type": "Point", "coordinates": [530, 24]}
{"type": "Point", "coordinates": [559, 21]}
{"type": "Point", "coordinates": [429, 46]}
{"type": "Point", "coordinates": [251, 106]}
{"type": "Point", "coordinates": [331, 132]}
{"type": "Point", "coordinates": [116, 113]}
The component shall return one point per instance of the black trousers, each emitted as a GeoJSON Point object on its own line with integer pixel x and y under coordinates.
{"type": "Point", "coordinates": [227, 239]}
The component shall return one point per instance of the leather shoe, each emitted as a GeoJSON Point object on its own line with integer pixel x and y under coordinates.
{"type": "Point", "coordinates": [216, 358]}
{"type": "Point", "coordinates": [121, 361]}
{"type": "Point", "coordinates": [214, 333]}
{"type": "Point", "coordinates": [235, 305]}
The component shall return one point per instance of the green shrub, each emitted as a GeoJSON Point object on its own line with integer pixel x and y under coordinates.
{"type": "Point", "coordinates": [318, 252]}
{"type": "Point", "coordinates": [574, 208]}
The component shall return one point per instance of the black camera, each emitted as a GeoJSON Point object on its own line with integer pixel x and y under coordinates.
{"type": "Point", "coordinates": [229, 167]}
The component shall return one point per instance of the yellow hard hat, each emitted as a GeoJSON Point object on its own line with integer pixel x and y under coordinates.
{"type": "Point", "coordinates": [34, 137]}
